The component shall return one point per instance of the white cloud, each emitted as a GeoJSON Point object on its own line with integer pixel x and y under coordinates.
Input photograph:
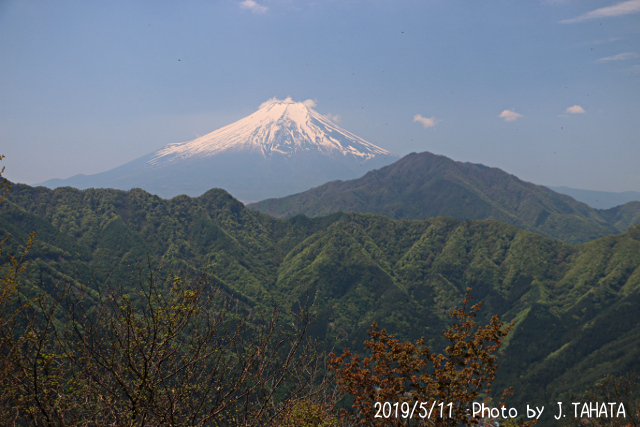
{"type": "Point", "coordinates": [427, 122]}
{"type": "Point", "coordinates": [253, 6]}
{"type": "Point", "coordinates": [509, 116]}
{"type": "Point", "coordinates": [575, 109]}
{"type": "Point", "coordinates": [287, 100]}
{"type": "Point", "coordinates": [310, 103]}
{"type": "Point", "coordinates": [333, 117]}
{"type": "Point", "coordinates": [620, 56]}
{"type": "Point", "coordinates": [624, 8]}
{"type": "Point", "coordinates": [267, 102]}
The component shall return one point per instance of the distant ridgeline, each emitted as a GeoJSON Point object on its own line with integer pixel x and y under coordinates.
{"type": "Point", "coordinates": [424, 185]}
{"type": "Point", "coordinates": [599, 199]}
{"type": "Point", "coordinates": [575, 307]}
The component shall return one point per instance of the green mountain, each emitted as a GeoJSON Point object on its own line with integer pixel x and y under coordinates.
{"type": "Point", "coordinates": [575, 307]}
{"type": "Point", "coordinates": [425, 185]}
{"type": "Point", "coordinates": [623, 216]}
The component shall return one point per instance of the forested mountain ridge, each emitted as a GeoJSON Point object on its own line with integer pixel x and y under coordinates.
{"type": "Point", "coordinates": [423, 185]}
{"type": "Point", "coordinates": [574, 306]}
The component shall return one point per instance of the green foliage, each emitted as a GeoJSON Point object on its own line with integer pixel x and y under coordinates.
{"type": "Point", "coordinates": [11, 308]}
{"type": "Point", "coordinates": [309, 414]}
{"type": "Point", "coordinates": [623, 216]}
{"type": "Point", "coordinates": [174, 352]}
{"type": "Point", "coordinates": [426, 185]}
{"type": "Point", "coordinates": [572, 305]}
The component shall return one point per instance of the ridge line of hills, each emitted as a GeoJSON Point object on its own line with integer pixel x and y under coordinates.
{"type": "Point", "coordinates": [575, 307]}
{"type": "Point", "coordinates": [422, 185]}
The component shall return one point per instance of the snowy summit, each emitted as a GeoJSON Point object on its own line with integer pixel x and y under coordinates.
{"type": "Point", "coordinates": [279, 126]}
{"type": "Point", "coordinates": [285, 147]}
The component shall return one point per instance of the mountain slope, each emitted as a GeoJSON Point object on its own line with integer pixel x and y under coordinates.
{"type": "Point", "coordinates": [623, 216]}
{"type": "Point", "coordinates": [278, 127]}
{"type": "Point", "coordinates": [283, 148]}
{"type": "Point", "coordinates": [423, 185]}
{"type": "Point", "coordinates": [575, 307]}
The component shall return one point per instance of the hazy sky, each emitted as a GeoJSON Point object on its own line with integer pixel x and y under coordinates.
{"type": "Point", "coordinates": [546, 90]}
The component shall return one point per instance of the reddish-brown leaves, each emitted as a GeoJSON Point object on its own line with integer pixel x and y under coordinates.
{"type": "Point", "coordinates": [409, 372]}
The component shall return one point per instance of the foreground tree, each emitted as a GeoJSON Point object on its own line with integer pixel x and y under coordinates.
{"type": "Point", "coordinates": [170, 352]}
{"type": "Point", "coordinates": [406, 375]}
{"type": "Point", "coordinates": [12, 265]}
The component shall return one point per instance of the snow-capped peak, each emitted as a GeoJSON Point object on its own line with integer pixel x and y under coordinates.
{"type": "Point", "coordinates": [278, 127]}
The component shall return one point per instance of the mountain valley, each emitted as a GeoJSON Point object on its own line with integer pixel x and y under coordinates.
{"type": "Point", "coordinates": [398, 245]}
{"type": "Point", "coordinates": [574, 307]}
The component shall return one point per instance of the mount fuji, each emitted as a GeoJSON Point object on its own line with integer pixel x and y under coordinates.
{"type": "Point", "coordinates": [285, 147]}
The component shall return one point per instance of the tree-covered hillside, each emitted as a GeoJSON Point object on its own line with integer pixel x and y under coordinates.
{"type": "Point", "coordinates": [574, 307]}
{"type": "Point", "coordinates": [424, 185]}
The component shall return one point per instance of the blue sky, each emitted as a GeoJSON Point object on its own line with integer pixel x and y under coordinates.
{"type": "Point", "coordinates": [546, 90]}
